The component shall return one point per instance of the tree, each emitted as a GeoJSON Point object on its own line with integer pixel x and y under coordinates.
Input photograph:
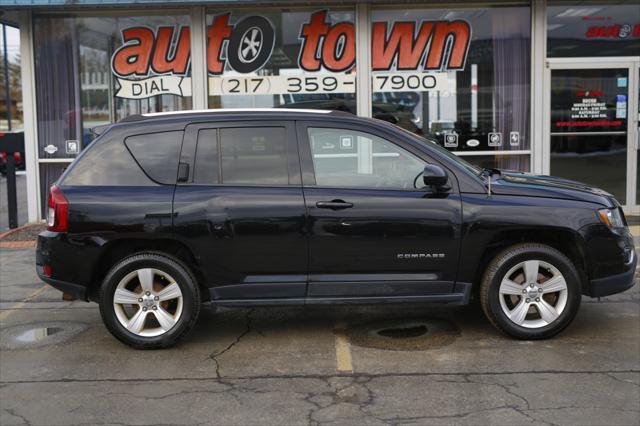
{"type": "Point", "coordinates": [15, 91]}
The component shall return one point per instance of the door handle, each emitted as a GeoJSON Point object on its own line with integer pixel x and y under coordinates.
{"type": "Point", "coordinates": [334, 205]}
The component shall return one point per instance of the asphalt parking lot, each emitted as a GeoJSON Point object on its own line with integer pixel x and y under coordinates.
{"type": "Point", "coordinates": [363, 365]}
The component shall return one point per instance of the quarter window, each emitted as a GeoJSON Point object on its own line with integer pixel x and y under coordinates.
{"type": "Point", "coordinates": [158, 154]}
{"type": "Point", "coordinates": [348, 158]}
{"type": "Point", "coordinates": [106, 163]}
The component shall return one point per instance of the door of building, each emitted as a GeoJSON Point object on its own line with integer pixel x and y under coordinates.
{"type": "Point", "coordinates": [592, 124]}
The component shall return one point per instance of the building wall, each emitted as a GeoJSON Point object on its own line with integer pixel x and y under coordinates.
{"type": "Point", "coordinates": [467, 76]}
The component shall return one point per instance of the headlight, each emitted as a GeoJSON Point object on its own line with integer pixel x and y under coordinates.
{"type": "Point", "coordinates": [611, 217]}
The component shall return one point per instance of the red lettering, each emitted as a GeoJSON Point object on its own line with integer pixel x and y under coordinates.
{"type": "Point", "coordinates": [592, 32]}
{"type": "Point", "coordinates": [601, 123]}
{"type": "Point", "coordinates": [311, 35]}
{"type": "Point", "coordinates": [217, 33]}
{"type": "Point", "coordinates": [161, 62]}
{"type": "Point", "coordinates": [134, 55]}
{"type": "Point", "coordinates": [592, 93]}
{"type": "Point", "coordinates": [615, 31]}
{"type": "Point", "coordinates": [400, 44]}
{"type": "Point", "coordinates": [339, 47]}
{"type": "Point", "coordinates": [460, 32]}
{"type": "Point", "coordinates": [612, 31]}
{"type": "Point", "coordinates": [407, 49]}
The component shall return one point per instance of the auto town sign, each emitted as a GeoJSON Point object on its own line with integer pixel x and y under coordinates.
{"type": "Point", "coordinates": [405, 56]}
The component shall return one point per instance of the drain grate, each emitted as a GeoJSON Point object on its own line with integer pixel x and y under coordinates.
{"type": "Point", "coordinates": [404, 335]}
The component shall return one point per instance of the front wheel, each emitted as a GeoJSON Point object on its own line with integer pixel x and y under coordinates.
{"type": "Point", "coordinates": [149, 301]}
{"type": "Point", "coordinates": [530, 291]}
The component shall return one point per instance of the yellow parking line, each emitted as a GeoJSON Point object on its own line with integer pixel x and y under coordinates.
{"type": "Point", "coordinates": [5, 314]}
{"type": "Point", "coordinates": [635, 230]}
{"type": "Point", "coordinates": [343, 349]}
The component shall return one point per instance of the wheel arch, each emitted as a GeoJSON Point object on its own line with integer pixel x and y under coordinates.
{"type": "Point", "coordinates": [115, 251]}
{"type": "Point", "coordinates": [567, 241]}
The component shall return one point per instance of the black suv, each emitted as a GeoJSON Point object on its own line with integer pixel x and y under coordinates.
{"type": "Point", "coordinates": [291, 207]}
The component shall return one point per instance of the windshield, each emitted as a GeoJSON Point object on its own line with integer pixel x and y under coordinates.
{"type": "Point", "coordinates": [433, 145]}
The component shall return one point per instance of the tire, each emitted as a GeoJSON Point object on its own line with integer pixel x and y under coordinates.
{"type": "Point", "coordinates": [153, 273]}
{"type": "Point", "coordinates": [525, 307]}
{"type": "Point", "coordinates": [264, 35]}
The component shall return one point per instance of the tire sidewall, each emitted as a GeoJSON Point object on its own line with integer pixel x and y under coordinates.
{"type": "Point", "coordinates": [573, 297]}
{"type": "Point", "coordinates": [266, 48]}
{"type": "Point", "coordinates": [171, 267]}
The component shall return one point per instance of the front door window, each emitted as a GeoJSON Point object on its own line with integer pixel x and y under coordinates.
{"type": "Point", "coordinates": [348, 158]}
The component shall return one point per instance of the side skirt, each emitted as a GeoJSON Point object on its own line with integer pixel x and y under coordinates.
{"type": "Point", "coordinates": [460, 297]}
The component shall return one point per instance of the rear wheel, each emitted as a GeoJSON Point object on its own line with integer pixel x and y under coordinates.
{"type": "Point", "coordinates": [530, 291]}
{"type": "Point", "coordinates": [149, 300]}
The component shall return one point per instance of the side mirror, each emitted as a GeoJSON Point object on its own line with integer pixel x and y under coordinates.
{"type": "Point", "coordinates": [434, 175]}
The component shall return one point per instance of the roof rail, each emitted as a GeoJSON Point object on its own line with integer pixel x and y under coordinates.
{"type": "Point", "coordinates": [134, 117]}
{"type": "Point", "coordinates": [98, 130]}
{"type": "Point", "coordinates": [142, 117]}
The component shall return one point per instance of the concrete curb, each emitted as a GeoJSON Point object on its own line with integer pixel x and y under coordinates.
{"type": "Point", "coordinates": [14, 230]}
{"type": "Point", "coordinates": [17, 244]}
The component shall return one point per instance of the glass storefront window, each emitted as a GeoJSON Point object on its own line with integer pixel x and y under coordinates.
{"type": "Point", "coordinates": [589, 127]}
{"type": "Point", "coordinates": [10, 118]}
{"type": "Point", "coordinates": [282, 58]}
{"type": "Point", "coordinates": [638, 148]}
{"type": "Point", "coordinates": [458, 75]}
{"type": "Point", "coordinates": [98, 70]}
{"type": "Point", "coordinates": [593, 28]}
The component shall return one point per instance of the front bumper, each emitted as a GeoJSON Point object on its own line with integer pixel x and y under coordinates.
{"type": "Point", "coordinates": [615, 283]}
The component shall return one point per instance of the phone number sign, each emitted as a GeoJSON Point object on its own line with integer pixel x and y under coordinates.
{"type": "Point", "coordinates": [282, 84]}
{"type": "Point", "coordinates": [409, 81]}
{"type": "Point", "coordinates": [324, 83]}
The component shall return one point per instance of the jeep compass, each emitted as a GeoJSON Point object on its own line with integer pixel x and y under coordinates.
{"type": "Point", "coordinates": [164, 212]}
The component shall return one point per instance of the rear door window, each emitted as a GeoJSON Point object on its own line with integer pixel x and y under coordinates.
{"type": "Point", "coordinates": [254, 155]}
{"type": "Point", "coordinates": [207, 168]}
{"type": "Point", "coordinates": [158, 154]}
{"type": "Point", "coordinates": [242, 156]}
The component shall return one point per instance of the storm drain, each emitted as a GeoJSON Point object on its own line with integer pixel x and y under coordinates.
{"type": "Point", "coordinates": [404, 331]}
{"type": "Point", "coordinates": [36, 335]}
{"type": "Point", "coordinates": [404, 335]}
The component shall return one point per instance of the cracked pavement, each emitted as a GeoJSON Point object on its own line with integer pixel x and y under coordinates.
{"type": "Point", "coordinates": [278, 366]}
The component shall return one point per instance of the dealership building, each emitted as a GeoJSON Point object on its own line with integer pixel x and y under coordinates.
{"type": "Point", "coordinates": [548, 86]}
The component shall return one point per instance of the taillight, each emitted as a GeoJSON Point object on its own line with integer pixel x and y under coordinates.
{"type": "Point", "coordinates": [58, 211]}
{"type": "Point", "coordinates": [17, 157]}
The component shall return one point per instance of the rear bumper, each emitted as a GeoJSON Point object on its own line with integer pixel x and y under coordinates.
{"type": "Point", "coordinates": [78, 291]}
{"type": "Point", "coordinates": [615, 283]}
{"type": "Point", "coordinates": [68, 264]}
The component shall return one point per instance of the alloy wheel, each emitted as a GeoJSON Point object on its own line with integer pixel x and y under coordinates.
{"type": "Point", "coordinates": [533, 294]}
{"type": "Point", "coordinates": [148, 302]}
